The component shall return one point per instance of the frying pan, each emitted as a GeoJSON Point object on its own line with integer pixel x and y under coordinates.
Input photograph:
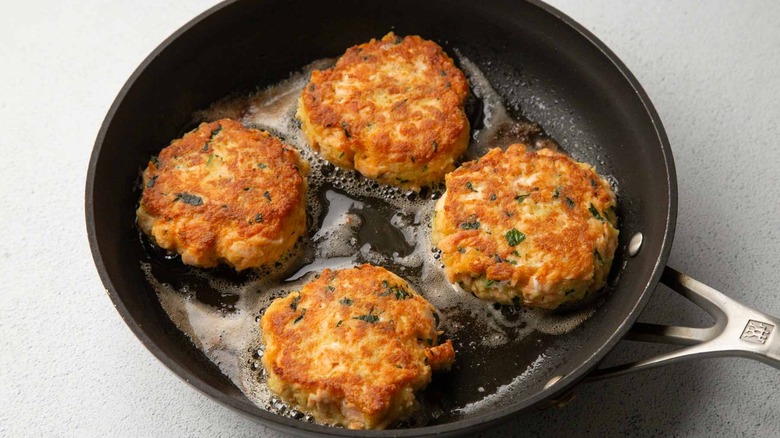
{"type": "Point", "coordinates": [540, 61]}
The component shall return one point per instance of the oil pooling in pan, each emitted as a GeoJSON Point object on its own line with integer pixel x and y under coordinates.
{"type": "Point", "coordinates": [354, 220]}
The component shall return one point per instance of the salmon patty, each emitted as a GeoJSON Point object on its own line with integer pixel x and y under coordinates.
{"type": "Point", "coordinates": [527, 227]}
{"type": "Point", "coordinates": [352, 347]}
{"type": "Point", "coordinates": [391, 109]}
{"type": "Point", "coordinates": [225, 194]}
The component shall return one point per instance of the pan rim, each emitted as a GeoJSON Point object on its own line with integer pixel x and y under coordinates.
{"type": "Point", "coordinates": [479, 422]}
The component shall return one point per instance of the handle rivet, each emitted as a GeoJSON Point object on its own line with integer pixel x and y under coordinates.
{"type": "Point", "coordinates": [552, 381]}
{"type": "Point", "coordinates": [635, 244]}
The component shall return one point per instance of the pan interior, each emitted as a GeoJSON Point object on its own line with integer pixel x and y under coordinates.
{"type": "Point", "coordinates": [542, 68]}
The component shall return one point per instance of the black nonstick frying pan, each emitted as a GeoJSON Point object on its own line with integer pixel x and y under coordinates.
{"type": "Point", "coordinates": [539, 60]}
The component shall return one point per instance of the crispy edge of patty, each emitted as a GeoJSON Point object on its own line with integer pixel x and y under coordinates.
{"type": "Point", "coordinates": [224, 193]}
{"type": "Point", "coordinates": [352, 347]}
{"type": "Point", "coordinates": [403, 140]}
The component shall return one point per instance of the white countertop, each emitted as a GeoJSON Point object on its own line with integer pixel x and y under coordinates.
{"type": "Point", "coordinates": [70, 367]}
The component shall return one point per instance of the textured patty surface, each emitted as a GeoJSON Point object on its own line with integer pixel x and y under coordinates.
{"type": "Point", "coordinates": [528, 227]}
{"type": "Point", "coordinates": [352, 347]}
{"type": "Point", "coordinates": [391, 109]}
{"type": "Point", "coordinates": [225, 193]}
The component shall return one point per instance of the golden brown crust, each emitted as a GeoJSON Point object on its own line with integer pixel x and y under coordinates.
{"type": "Point", "coordinates": [533, 225]}
{"type": "Point", "coordinates": [225, 193]}
{"type": "Point", "coordinates": [352, 347]}
{"type": "Point", "coordinates": [391, 109]}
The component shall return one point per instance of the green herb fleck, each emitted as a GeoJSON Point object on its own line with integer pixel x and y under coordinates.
{"type": "Point", "coordinates": [493, 197]}
{"type": "Point", "coordinates": [461, 250]}
{"type": "Point", "coordinates": [514, 237]}
{"type": "Point", "coordinates": [515, 253]}
{"type": "Point", "coordinates": [570, 202]}
{"type": "Point", "coordinates": [151, 182]}
{"type": "Point", "coordinates": [215, 132]}
{"type": "Point", "coordinates": [345, 127]}
{"type": "Point", "coordinates": [338, 324]}
{"type": "Point", "coordinates": [597, 254]}
{"type": "Point", "coordinates": [470, 225]}
{"type": "Point", "coordinates": [470, 187]}
{"type": "Point", "coordinates": [267, 196]}
{"type": "Point", "coordinates": [294, 303]}
{"type": "Point", "coordinates": [490, 283]}
{"type": "Point", "coordinates": [154, 161]}
{"type": "Point", "coordinates": [345, 302]}
{"type": "Point", "coordinates": [341, 154]}
{"type": "Point", "coordinates": [211, 157]}
{"type": "Point", "coordinates": [521, 198]}
{"type": "Point", "coordinates": [188, 199]}
{"type": "Point", "coordinates": [595, 213]}
{"type": "Point", "coordinates": [298, 319]}
{"type": "Point", "coordinates": [557, 192]}
{"type": "Point", "coordinates": [330, 288]}
{"type": "Point", "coordinates": [593, 183]}
{"type": "Point", "coordinates": [401, 293]}
{"type": "Point", "coordinates": [258, 218]}
{"type": "Point", "coordinates": [435, 146]}
{"type": "Point", "coordinates": [261, 165]}
{"type": "Point", "coordinates": [369, 318]}
{"type": "Point", "coordinates": [398, 366]}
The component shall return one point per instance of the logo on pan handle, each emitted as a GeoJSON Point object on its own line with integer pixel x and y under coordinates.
{"type": "Point", "coordinates": [757, 332]}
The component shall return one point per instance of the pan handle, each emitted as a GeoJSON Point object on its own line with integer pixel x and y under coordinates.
{"type": "Point", "coordinates": [738, 331]}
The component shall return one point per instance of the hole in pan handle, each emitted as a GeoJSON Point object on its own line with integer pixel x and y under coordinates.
{"type": "Point", "coordinates": [738, 331]}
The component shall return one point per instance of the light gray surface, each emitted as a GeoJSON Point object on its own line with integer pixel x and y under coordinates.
{"type": "Point", "coordinates": [70, 367]}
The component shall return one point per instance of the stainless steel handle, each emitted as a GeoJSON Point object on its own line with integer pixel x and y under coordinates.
{"type": "Point", "coordinates": [738, 331]}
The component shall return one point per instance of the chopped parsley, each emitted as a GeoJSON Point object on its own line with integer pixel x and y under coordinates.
{"type": "Point", "coordinates": [490, 283]}
{"type": "Point", "coordinates": [461, 250]}
{"type": "Point", "coordinates": [294, 303]}
{"type": "Point", "coordinates": [470, 225]}
{"type": "Point", "coordinates": [267, 196]}
{"type": "Point", "coordinates": [595, 213]}
{"type": "Point", "coordinates": [470, 187]}
{"type": "Point", "coordinates": [345, 127]}
{"type": "Point", "coordinates": [150, 184]}
{"type": "Point", "coordinates": [345, 301]}
{"type": "Point", "coordinates": [557, 192]}
{"type": "Point", "coordinates": [399, 292]}
{"type": "Point", "coordinates": [338, 324]}
{"type": "Point", "coordinates": [369, 318]}
{"type": "Point", "coordinates": [261, 165]}
{"type": "Point", "coordinates": [435, 146]}
{"type": "Point", "coordinates": [493, 197]}
{"type": "Point", "coordinates": [570, 202]}
{"type": "Point", "coordinates": [597, 254]}
{"type": "Point", "coordinates": [213, 134]}
{"type": "Point", "coordinates": [189, 199]}
{"type": "Point", "coordinates": [330, 288]}
{"type": "Point", "coordinates": [211, 157]}
{"type": "Point", "coordinates": [258, 218]}
{"type": "Point", "coordinates": [520, 198]}
{"type": "Point", "coordinates": [154, 161]}
{"type": "Point", "coordinates": [298, 319]}
{"type": "Point", "coordinates": [514, 237]}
